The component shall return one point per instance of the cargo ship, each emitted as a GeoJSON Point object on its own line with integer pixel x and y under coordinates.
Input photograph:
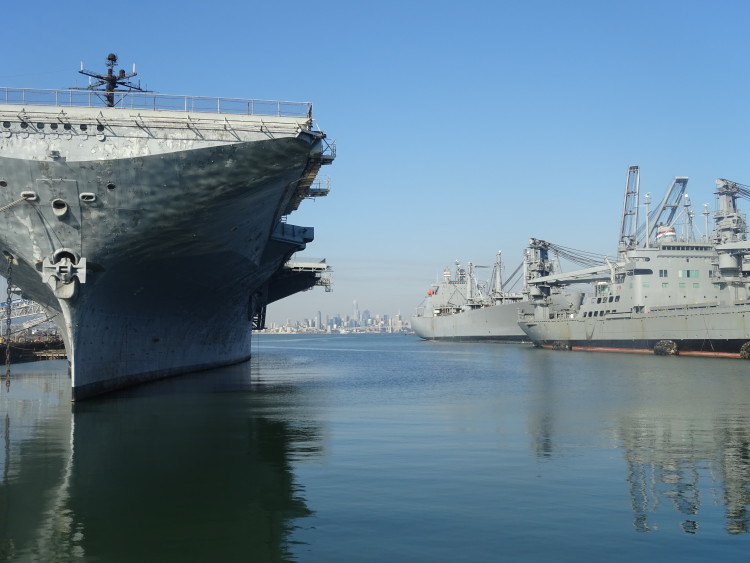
{"type": "Point", "coordinates": [459, 308]}
{"type": "Point", "coordinates": [669, 292]}
{"type": "Point", "coordinates": [153, 228]}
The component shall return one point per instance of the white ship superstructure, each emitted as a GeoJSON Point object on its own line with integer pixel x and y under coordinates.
{"type": "Point", "coordinates": [154, 230]}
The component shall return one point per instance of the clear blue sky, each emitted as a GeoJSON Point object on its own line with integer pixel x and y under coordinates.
{"type": "Point", "coordinates": [462, 128]}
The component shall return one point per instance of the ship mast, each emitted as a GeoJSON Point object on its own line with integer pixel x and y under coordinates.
{"type": "Point", "coordinates": [111, 81]}
{"type": "Point", "coordinates": [497, 276]}
{"type": "Point", "coordinates": [629, 221]}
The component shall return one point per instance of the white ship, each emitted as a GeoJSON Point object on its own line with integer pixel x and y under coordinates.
{"type": "Point", "coordinates": [153, 228]}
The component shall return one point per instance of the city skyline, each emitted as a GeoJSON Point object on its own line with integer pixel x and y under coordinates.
{"type": "Point", "coordinates": [360, 316]}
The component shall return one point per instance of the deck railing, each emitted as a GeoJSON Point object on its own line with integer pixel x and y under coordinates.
{"type": "Point", "coordinates": [151, 101]}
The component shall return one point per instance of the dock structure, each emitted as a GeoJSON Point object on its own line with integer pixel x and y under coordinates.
{"type": "Point", "coordinates": [59, 354]}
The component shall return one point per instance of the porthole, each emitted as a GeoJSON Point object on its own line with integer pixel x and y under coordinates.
{"type": "Point", "coordinates": [111, 186]}
{"type": "Point", "coordinates": [67, 126]}
{"type": "Point", "coordinates": [53, 126]}
{"type": "Point", "coordinates": [6, 124]}
{"type": "Point", "coordinates": [84, 126]}
{"type": "Point", "coordinates": [40, 125]}
{"type": "Point", "coordinates": [24, 125]}
{"type": "Point", "coordinates": [100, 127]}
{"type": "Point", "coordinates": [3, 184]}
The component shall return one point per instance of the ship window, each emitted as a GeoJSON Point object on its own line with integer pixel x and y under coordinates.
{"type": "Point", "coordinates": [53, 125]}
{"type": "Point", "coordinates": [84, 126]}
{"type": "Point", "coordinates": [3, 184]}
{"type": "Point", "coordinates": [665, 285]}
{"type": "Point", "coordinates": [611, 299]}
{"type": "Point", "coordinates": [6, 124]}
{"type": "Point", "coordinates": [617, 298]}
{"type": "Point", "coordinates": [111, 186]}
{"type": "Point", "coordinates": [696, 285]}
{"type": "Point", "coordinates": [100, 127]}
{"type": "Point", "coordinates": [40, 125]}
{"type": "Point", "coordinates": [24, 125]}
{"type": "Point", "coordinates": [596, 313]}
{"type": "Point", "coordinates": [67, 126]}
{"type": "Point", "coordinates": [646, 284]}
{"type": "Point", "coordinates": [663, 274]}
{"type": "Point", "coordinates": [682, 284]}
{"type": "Point", "coordinates": [688, 273]}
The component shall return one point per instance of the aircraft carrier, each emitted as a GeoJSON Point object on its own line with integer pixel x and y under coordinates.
{"type": "Point", "coordinates": [669, 292]}
{"type": "Point", "coordinates": [153, 227]}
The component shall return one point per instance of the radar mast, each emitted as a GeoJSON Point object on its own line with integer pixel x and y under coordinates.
{"type": "Point", "coordinates": [111, 81]}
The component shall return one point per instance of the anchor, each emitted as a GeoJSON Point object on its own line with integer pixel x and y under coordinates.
{"type": "Point", "coordinates": [63, 272]}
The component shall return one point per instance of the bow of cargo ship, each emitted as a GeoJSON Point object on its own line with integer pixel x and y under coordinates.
{"type": "Point", "coordinates": [154, 228]}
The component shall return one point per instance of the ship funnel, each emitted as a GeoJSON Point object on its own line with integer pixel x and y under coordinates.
{"type": "Point", "coordinates": [665, 234]}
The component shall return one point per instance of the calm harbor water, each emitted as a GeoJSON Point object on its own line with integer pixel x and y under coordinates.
{"type": "Point", "coordinates": [384, 448]}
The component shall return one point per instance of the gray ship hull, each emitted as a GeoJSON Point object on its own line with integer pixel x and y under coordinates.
{"type": "Point", "coordinates": [716, 332]}
{"type": "Point", "coordinates": [498, 323]}
{"type": "Point", "coordinates": [155, 252]}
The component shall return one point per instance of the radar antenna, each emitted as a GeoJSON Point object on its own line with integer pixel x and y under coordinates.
{"type": "Point", "coordinates": [110, 81]}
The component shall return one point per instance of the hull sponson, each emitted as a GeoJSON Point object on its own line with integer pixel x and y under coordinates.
{"type": "Point", "coordinates": [175, 242]}
{"type": "Point", "coordinates": [496, 323]}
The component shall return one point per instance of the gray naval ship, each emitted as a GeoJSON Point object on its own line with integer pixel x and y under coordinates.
{"type": "Point", "coordinates": [153, 227]}
{"type": "Point", "coordinates": [668, 292]}
{"type": "Point", "coordinates": [459, 308]}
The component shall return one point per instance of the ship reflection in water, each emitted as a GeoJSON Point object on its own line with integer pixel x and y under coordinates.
{"type": "Point", "coordinates": [320, 453]}
{"type": "Point", "coordinates": [685, 437]}
{"type": "Point", "coordinates": [185, 472]}
{"type": "Point", "coordinates": [685, 467]}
